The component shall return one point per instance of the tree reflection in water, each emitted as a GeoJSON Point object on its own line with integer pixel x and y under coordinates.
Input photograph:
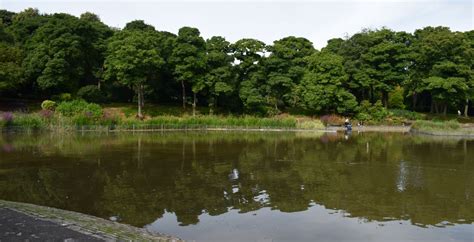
{"type": "Point", "coordinates": [140, 177]}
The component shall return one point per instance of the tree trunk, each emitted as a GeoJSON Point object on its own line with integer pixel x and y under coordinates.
{"type": "Point", "coordinates": [140, 99]}
{"type": "Point", "coordinates": [371, 94]}
{"type": "Point", "coordinates": [445, 107]}
{"type": "Point", "coordinates": [212, 105]}
{"type": "Point", "coordinates": [194, 104]}
{"type": "Point", "coordinates": [142, 88]}
{"type": "Point", "coordinates": [436, 107]}
{"type": "Point", "coordinates": [466, 108]}
{"type": "Point", "coordinates": [276, 105]}
{"type": "Point", "coordinates": [184, 95]}
{"type": "Point", "coordinates": [385, 99]}
{"type": "Point", "coordinates": [414, 98]}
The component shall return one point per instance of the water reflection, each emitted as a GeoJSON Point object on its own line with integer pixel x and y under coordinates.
{"type": "Point", "coordinates": [147, 179]}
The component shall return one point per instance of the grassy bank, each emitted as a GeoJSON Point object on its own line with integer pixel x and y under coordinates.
{"type": "Point", "coordinates": [445, 128]}
{"type": "Point", "coordinates": [35, 121]}
{"type": "Point", "coordinates": [81, 115]}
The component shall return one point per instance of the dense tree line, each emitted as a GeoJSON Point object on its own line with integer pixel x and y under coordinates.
{"type": "Point", "coordinates": [46, 55]}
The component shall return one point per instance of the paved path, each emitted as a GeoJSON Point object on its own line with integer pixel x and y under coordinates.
{"type": "Point", "coordinates": [16, 226]}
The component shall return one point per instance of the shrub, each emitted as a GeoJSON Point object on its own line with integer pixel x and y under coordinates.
{"type": "Point", "coordinates": [63, 97]}
{"type": "Point", "coordinates": [369, 112]}
{"type": "Point", "coordinates": [46, 114]}
{"type": "Point", "coordinates": [395, 98]}
{"type": "Point", "coordinates": [48, 105]}
{"type": "Point", "coordinates": [332, 119]}
{"type": "Point", "coordinates": [310, 124]}
{"type": "Point", "coordinates": [79, 107]}
{"type": "Point", "coordinates": [7, 117]}
{"type": "Point", "coordinates": [90, 93]}
{"type": "Point", "coordinates": [410, 115]}
{"type": "Point", "coordinates": [363, 117]}
{"type": "Point", "coordinates": [32, 121]}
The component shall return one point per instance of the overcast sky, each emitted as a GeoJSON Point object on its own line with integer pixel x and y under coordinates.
{"type": "Point", "coordinates": [269, 20]}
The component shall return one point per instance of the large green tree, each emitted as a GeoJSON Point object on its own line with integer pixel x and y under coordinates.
{"type": "Point", "coordinates": [442, 67]}
{"type": "Point", "coordinates": [376, 60]}
{"type": "Point", "coordinates": [189, 56]}
{"type": "Point", "coordinates": [65, 53]}
{"type": "Point", "coordinates": [249, 54]}
{"type": "Point", "coordinates": [134, 60]}
{"type": "Point", "coordinates": [285, 68]}
{"type": "Point", "coordinates": [220, 77]}
{"type": "Point", "coordinates": [10, 62]}
{"type": "Point", "coordinates": [321, 89]}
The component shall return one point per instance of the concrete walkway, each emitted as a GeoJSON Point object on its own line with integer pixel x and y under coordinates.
{"type": "Point", "coordinates": [16, 226]}
{"type": "Point", "coordinates": [29, 222]}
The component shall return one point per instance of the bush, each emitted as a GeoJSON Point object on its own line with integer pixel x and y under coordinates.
{"type": "Point", "coordinates": [332, 119]}
{"type": "Point", "coordinates": [375, 113]}
{"type": "Point", "coordinates": [79, 107]}
{"type": "Point", "coordinates": [410, 115]}
{"type": "Point", "coordinates": [7, 117]}
{"type": "Point", "coordinates": [32, 121]}
{"type": "Point", "coordinates": [310, 124]}
{"type": "Point", "coordinates": [48, 105]}
{"type": "Point", "coordinates": [395, 98]}
{"type": "Point", "coordinates": [46, 114]}
{"type": "Point", "coordinates": [90, 93]}
{"type": "Point", "coordinates": [63, 97]}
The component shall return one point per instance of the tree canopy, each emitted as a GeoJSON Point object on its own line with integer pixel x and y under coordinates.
{"type": "Point", "coordinates": [43, 55]}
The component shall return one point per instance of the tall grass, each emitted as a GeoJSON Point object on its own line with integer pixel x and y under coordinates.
{"type": "Point", "coordinates": [57, 121]}
{"type": "Point", "coordinates": [424, 125]}
{"type": "Point", "coordinates": [208, 122]}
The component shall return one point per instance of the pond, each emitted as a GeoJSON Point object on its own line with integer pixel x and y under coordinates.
{"type": "Point", "coordinates": [252, 185]}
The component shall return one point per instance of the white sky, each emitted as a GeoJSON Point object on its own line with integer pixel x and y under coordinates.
{"type": "Point", "coordinates": [268, 20]}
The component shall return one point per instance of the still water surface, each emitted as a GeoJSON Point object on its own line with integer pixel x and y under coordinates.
{"type": "Point", "coordinates": [252, 186]}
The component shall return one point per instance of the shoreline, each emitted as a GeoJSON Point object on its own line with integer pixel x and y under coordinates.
{"type": "Point", "coordinates": [159, 128]}
{"type": "Point", "coordinates": [87, 225]}
{"type": "Point", "coordinates": [462, 132]}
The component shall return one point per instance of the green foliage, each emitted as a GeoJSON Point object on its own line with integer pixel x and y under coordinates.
{"type": "Point", "coordinates": [134, 59]}
{"type": "Point", "coordinates": [332, 119]}
{"type": "Point", "coordinates": [42, 55]}
{"type": "Point", "coordinates": [48, 105]}
{"type": "Point", "coordinates": [91, 93]}
{"type": "Point", "coordinates": [321, 89]}
{"type": "Point", "coordinates": [62, 97]}
{"type": "Point", "coordinates": [310, 124]}
{"type": "Point", "coordinates": [22, 120]}
{"type": "Point", "coordinates": [10, 66]}
{"type": "Point", "coordinates": [369, 112]}
{"type": "Point", "coordinates": [410, 115]}
{"type": "Point", "coordinates": [63, 51]}
{"type": "Point", "coordinates": [220, 78]}
{"type": "Point", "coordinates": [79, 108]}
{"type": "Point", "coordinates": [285, 69]}
{"type": "Point", "coordinates": [396, 99]}
{"type": "Point", "coordinates": [443, 66]}
{"type": "Point", "coordinates": [251, 75]}
{"type": "Point", "coordinates": [223, 121]}
{"type": "Point", "coordinates": [189, 58]}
